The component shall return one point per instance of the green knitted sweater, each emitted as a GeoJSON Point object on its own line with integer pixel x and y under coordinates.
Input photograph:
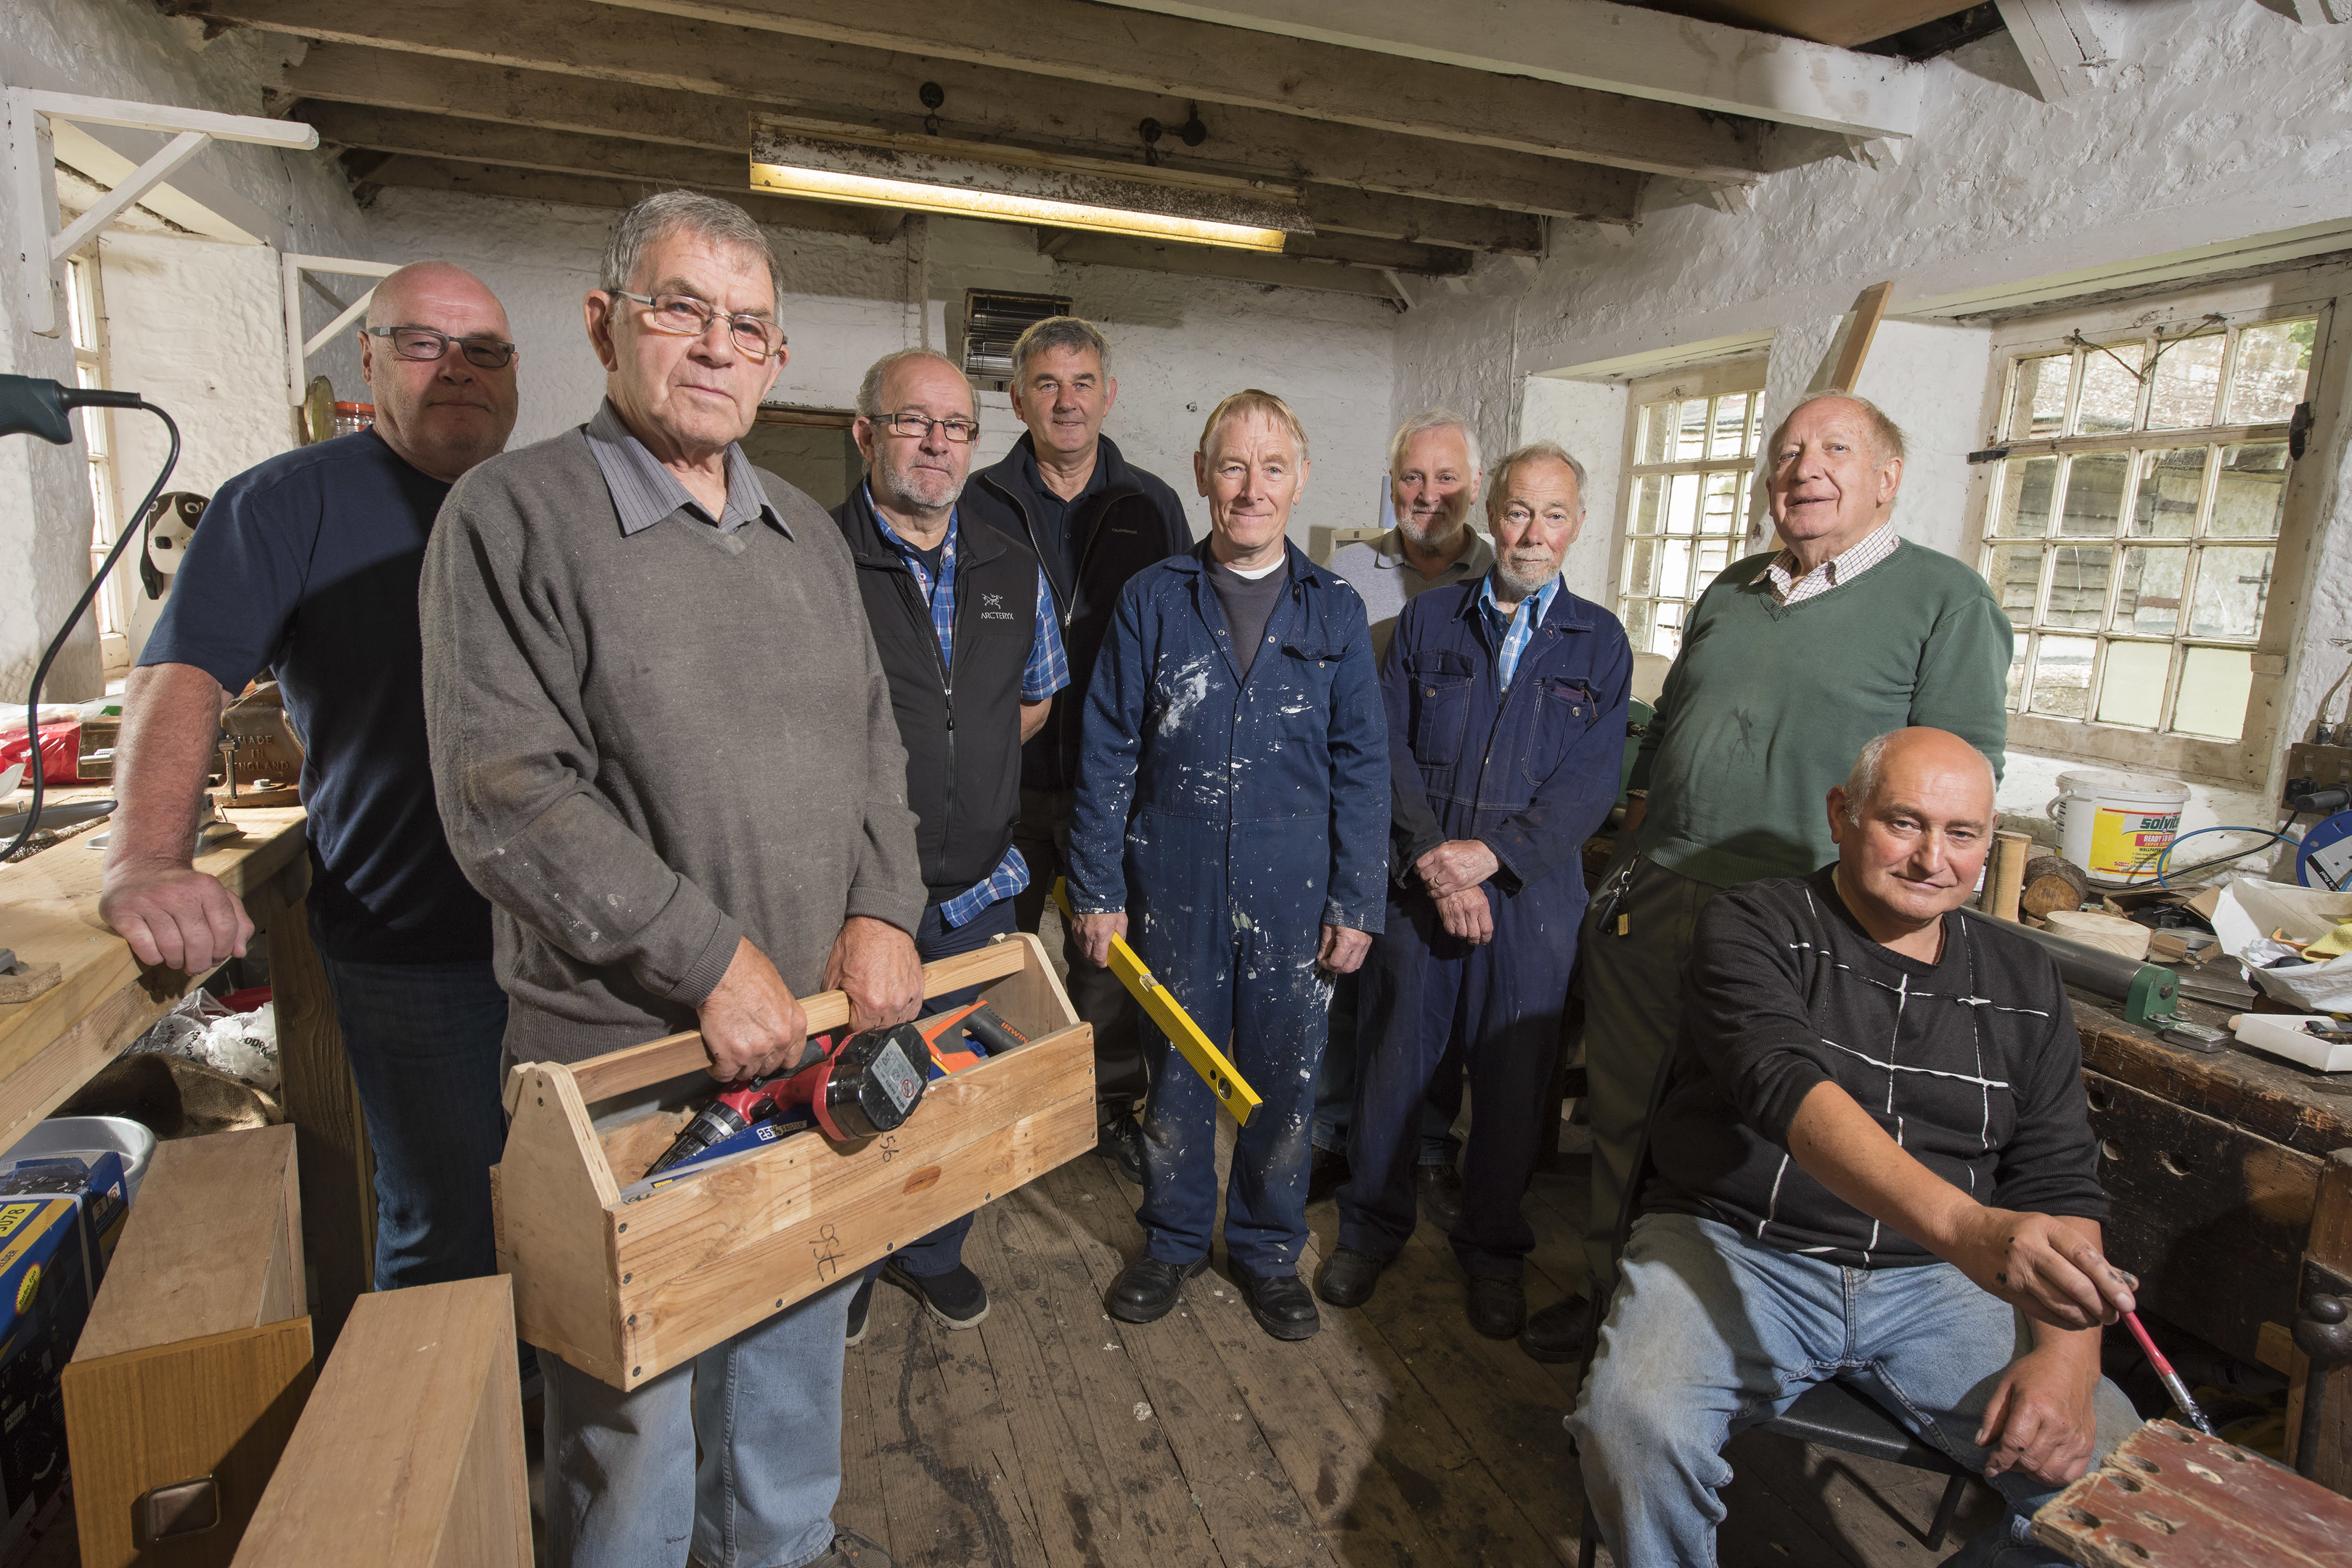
{"type": "Point", "coordinates": [1767, 706]}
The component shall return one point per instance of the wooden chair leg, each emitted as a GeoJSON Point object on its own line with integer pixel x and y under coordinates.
{"type": "Point", "coordinates": [1954, 1491]}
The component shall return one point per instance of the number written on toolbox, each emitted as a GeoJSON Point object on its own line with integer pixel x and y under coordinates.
{"type": "Point", "coordinates": [826, 1249]}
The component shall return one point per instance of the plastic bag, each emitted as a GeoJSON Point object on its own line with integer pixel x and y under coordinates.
{"type": "Point", "coordinates": [242, 1045]}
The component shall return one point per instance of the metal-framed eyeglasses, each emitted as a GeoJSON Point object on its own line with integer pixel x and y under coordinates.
{"type": "Point", "coordinates": [918, 427]}
{"type": "Point", "coordinates": [683, 315]}
{"type": "Point", "coordinates": [422, 343]}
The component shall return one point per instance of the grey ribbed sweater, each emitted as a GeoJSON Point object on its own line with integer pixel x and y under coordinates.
{"type": "Point", "coordinates": [646, 747]}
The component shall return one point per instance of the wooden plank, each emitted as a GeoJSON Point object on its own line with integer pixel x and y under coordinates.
{"type": "Point", "coordinates": [512, 183]}
{"type": "Point", "coordinates": [549, 1198]}
{"type": "Point", "coordinates": [619, 79]}
{"type": "Point", "coordinates": [2170, 1498]}
{"type": "Point", "coordinates": [214, 1245]}
{"type": "Point", "coordinates": [2197, 1201]}
{"type": "Point", "coordinates": [2330, 1248]}
{"type": "Point", "coordinates": [410, 1451]}
{"type": "Point", "coordinates": [1855, 348]}
{"type": "Point", "coordinates": [338, 1168]}
{"type": "Point", "coordinates": [220, 1406]}
{"type": "Point", "coordinates": [1202, 262]}
{"type": "Point", "coordinates": [2307, 1111]}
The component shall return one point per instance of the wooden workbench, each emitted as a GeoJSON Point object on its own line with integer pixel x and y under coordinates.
{"type": "Point", "coordinates": [2225, 1174]}
{"type": "Point", "coordinates": [52, 1044]}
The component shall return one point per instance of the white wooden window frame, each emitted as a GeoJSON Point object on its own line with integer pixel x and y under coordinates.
{"type": "Point", "coordinates": [2245, 762]}
{"type": "Point", "coordinates": [97, 429]}
{"type": "Point", "coordinates": [1745, 374]}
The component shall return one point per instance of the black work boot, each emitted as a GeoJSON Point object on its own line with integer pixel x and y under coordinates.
{"type": "Point", "coordinates": [1282, 1304]}
{"type": "Point", "coordinates": [1497, 1307]}
{"type": "Point", "coordinates": [1147, 1288]}
{"type": "Point", "coordinates": [1348, 1277]}
{"type": "Point", "coordinates": [1439, 1191]}
{"type": "Point", "coordinates": [1558, 1332]}
{"type": "Point", "coordinates": [1121, 1142]}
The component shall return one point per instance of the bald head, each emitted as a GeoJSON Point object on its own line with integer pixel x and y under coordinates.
{"type": "Point", "coordinates": [1912, 824]}
{"type": "Point", "coordinates": [435, 407]}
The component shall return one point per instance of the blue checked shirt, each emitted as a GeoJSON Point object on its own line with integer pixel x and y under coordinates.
{"type": "Point", "coordinates": [1047, 671]}
{"type": "Point", "coordinates": [1517, 628]}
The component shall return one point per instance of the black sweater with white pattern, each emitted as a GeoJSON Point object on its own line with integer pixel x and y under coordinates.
{"type": "Point", "coordinates": [1970, 1063]}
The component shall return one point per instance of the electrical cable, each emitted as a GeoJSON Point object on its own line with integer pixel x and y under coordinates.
{"type": "Point", "coordinates": [81, 607]}
{"type": "Point", "coordinates": [2164, 855]}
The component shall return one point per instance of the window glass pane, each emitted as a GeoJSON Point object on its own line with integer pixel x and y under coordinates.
{"type": "Point", "coordinates": [79, 311]}
{"type": "Point", "coordinates": [1690, 430]}
{"type": "Point", "coordinates": [2025, 486]}
{"type": "Point", "coordinates": [2250, 493]}
{"type": "Point", "coordinates": [2078, 586]}
{"type": "Point", "coordinates": [2038, 407]}
{"type": "Point", "coordinates": [1682, 502]}
{"type": "Point", "coordinates": [1673, 567]}
{"type": "Point", "coordinates": [2171, 487]}
{"type": "Point", "coordinates": [1714, 555]}
{"type": "Point", "coordinates": [1668, 637]}
{"type": "Point", "coordinates": [2131, 687]}
{"type": "Point", "coordinates": [1657, 423]}
{"type": "Point", "coordinates": [1640, 615]}
{"type": "Point", "coordinates": [1641, 567]}
{"type": "Point", "coordinates": [2095, 495]}
{"type": "Point", "coordinates": [1649, 498]}
{"type": "Point", "coordinates": [2017, 662]}
{"type": "Point", "coordinates": [2214, 685]}
{"type": "Point", "coordinates": [2188, 383]}
{"type": "Point", "coordinates": [1730, 439]}
{"type": "Point", "coordinates": [1721, 515]}
{"type": "Point", "coordinates": [2148, 600]}
{"type": "Point", "coordinates": [2273, 363]}
{"type": "Point", "coordinates": [2231, 586]}
{"type": "Point", "coordinates": [2015, 575]}
{"type": "Point", "coordinates": [2110, 390]}
{"type": "Point", "coordinates": [2062, 677]}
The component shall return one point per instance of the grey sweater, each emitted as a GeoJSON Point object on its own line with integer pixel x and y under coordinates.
{"type": "Point", "coordinates": [646, 747]}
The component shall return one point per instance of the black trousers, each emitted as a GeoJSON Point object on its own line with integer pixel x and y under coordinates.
{"type": "Point", "coordinates": [1043, 836]}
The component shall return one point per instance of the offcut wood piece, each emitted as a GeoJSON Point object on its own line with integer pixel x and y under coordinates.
{"type": "Point", "coordinates": [2170, 1498]}
{"type": "Point", "coordinates": [2006, 887]}
{"type": "Point", "coordinates": [625, 1291]}
{"type": "Point", "coordinates": [2330, 1250]}
{"type": "Point", "coordinates": [1868, 310]}
{"type": "Point", "coordinates": [23, 982]}
{"type": "Point", "coordinates": [196, 1361]}
{"type": "Point", "coordinates": [410, 1454]}
{"type": "Point", "coordinates": [2052, 884]}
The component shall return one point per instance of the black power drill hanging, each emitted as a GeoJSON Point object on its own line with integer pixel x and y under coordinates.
{"type": "Point", "coordinates": [864, 1085]}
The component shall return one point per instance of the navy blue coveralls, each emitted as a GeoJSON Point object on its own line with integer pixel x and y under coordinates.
{"type": "Point", "coordinates": [1531, 773]}
{"type": "Point", "coordinates": [1232, 821]}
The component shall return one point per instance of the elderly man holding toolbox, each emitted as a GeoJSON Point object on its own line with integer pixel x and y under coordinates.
{"type": "Point", "coordinates": [664, 748]}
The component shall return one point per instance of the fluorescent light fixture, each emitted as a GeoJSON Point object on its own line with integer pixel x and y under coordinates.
{"type": "Point", "coordinates": [825, 184]}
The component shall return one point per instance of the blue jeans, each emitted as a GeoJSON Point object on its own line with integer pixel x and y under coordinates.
{"type": "Point", "coordinates": [424, 1042]}
{"type": "Point", "coordinates": [942, 1252]}
{"type": "Point", "coordinates": [624, 1489]}
{"type": "Point", "coordinates": [1335, 1087]}
{"type": "Point", "coordinates": [1709, 1334]}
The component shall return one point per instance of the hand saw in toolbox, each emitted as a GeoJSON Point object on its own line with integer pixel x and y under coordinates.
{"type": "Point", "coordinates": [1232, 1091]}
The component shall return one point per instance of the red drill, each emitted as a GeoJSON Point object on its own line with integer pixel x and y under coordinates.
{"type": "Point", "coordinates": [866, 1085]}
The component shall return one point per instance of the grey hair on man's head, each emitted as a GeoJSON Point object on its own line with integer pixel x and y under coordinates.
{"type": "Point", "coordinates": [1887, 434]}
{"type": "Point", "coordinates": [665, 213]}
{"type": "Point", "coordinates": [1869, 771]}
{"type": "Point", "coordinates": [1432, 419]}
{"type": "Point", "coordinates": [1073, 333]}
{"type": "Point", "coordinates": [869, 391]}
{"type": "Point", "coordinates": [1532, 452]}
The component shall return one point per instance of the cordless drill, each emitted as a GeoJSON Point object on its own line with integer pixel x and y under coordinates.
{"type": "Point", "coordinates": [864, 1085]}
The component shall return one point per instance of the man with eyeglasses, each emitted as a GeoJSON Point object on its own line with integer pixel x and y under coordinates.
{"type": "Point", "coordinates": [306, 567]}
{"type": "Point", "coordinates": [665, 748]}
{"type": "Point", "coordinates": [963, 620]}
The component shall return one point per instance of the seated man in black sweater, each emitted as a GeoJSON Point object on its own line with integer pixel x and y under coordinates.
{"type": "Point", "coordinates": [1873, 1162]}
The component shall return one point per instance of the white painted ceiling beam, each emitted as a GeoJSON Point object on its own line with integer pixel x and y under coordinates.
{"type": "Point", "coordinates": [2062, 50]}
{"type": "Point", "coordinates": [1609, 48]}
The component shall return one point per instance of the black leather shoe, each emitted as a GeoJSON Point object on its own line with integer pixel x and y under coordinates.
{"type": "Point", "coordinates": [1147, 1288]}
{"type": "Point", "coordinates": [1327, 1173]}
{"type": "Point", "coordinates": [1558, 1333]}
{"type": "Point", "coordinates": [1498, 1308]}
{"type": "Point", "coordinates": [1121, 1142]}
{"type": "Point", "coordinates": [1348, 1277]}
{"type": "Point", "coordinates": [1283, 1305]}
{"type": "Point", "coordinates": [1440, 1192]}
{"type": "Point", "coordinates": [957, 1299]}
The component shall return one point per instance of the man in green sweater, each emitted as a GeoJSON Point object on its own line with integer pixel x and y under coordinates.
{"type": "Point", "coordinates": [1790, 661]}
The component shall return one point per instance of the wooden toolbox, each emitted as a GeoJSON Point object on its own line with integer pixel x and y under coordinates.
{"type": "Point", "coordinates": [628, 1291]}
{"type": "Point", "coordinates": [195, 1363]}
{"type": "Point", "coordinates": [410, 1454]}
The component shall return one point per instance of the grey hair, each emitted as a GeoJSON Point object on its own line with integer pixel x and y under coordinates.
{"type": "Point", "coordinates": [1869, 771]}
{"type": "Point", "coordinates": [1887, 434]}
{"type": "Point", "coordinates": [665, 213]}
{"type": "Point", "coordinates": [869, 391]}
{"type": "Point", "coordinates": [1434, 419]}
{"type": "Point", "coordinates": [1070, 333]}
{"type": "Point", "coordinates": [1534, 451]}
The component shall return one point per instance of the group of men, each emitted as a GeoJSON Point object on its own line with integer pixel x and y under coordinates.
{"type": "Point", "coordinates": [616, 735]}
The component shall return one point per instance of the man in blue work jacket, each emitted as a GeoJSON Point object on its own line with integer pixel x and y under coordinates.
{"type": "Point", "coordinates": [1509, 694]}
{"type": "Point", "coordinates": [1233, 794]}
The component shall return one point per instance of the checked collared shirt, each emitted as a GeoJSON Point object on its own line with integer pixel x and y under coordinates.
{"type": "Point", "coordinates": [1792, 589]}
{"type": "Point", "coordinates": [1517, 627]}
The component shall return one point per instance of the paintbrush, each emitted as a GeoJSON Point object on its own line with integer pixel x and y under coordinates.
{"type": "Point", "coordinates": [2172, 1379]}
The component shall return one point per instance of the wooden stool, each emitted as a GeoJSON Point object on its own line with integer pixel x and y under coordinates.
{"type": "Point", "coordinates": [2171, 1498]}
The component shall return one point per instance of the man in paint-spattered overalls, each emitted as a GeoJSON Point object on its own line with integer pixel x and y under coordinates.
{"type": "Point", "coordinates": [1233, 798]}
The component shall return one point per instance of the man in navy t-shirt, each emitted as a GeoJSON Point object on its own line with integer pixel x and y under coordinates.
{"type": "Point", "coordinates": [307, 567]}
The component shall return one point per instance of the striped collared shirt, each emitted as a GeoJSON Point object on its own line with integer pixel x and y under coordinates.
{"type": "Point", "coordinates": [1516, 628]}
{"type": "Point", "coordinates": [1790, 589]}
{"type": "Point", "coordinates": [645, 493]}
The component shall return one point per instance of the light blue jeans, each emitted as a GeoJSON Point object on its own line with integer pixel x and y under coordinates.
{"type": "Point", "coordinates": [1709, 1334]}
{"type": "Point", "coordinates": [624, 1489]}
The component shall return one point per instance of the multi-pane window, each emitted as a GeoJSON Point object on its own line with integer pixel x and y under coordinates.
{"type": "Point", "coordinates": [2131, 530]}
{"type": "Point", "coordinates": [88, 315]}
{"type": "Point", "coordinates": [1686, 496]}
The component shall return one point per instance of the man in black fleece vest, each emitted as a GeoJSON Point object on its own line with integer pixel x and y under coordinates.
{"type": "Point", "coordinates": [1874, 1162]}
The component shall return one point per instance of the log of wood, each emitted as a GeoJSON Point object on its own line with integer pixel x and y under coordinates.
{"type": "Point", "coordinates": [2053, 884]}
